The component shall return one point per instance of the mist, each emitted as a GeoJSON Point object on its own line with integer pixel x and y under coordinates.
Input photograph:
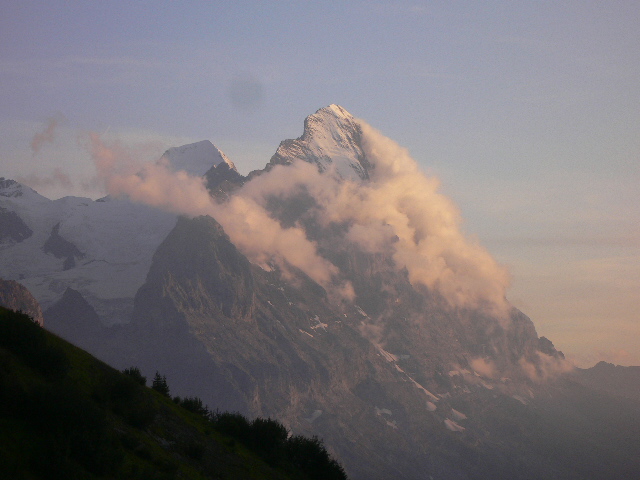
{"type": "Point", "coordinates": [46, 135]}
{"type": "Point", "coordinates": [398, 211]}
{"type": "Point", "coordinates": [258, 236]}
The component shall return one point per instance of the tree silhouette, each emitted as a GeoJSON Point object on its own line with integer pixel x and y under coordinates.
{"type": "Point", "coordinates": [134, 372]}
{"type": "Point", "coordinates": [160, 384]}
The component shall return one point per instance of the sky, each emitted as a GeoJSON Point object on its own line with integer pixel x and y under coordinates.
{"type": "Point", "coordinates": [528, 112]}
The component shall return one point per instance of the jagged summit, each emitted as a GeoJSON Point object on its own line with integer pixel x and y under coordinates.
{"type": "Point", "coordinates": [332, 140]}
{"type": "Point", "coordinates": [196, 158]}
{"type": "Point", "coordinates": [12, 189]}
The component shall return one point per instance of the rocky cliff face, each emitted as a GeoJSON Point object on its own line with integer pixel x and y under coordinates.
{"type": "Point", "coordinates": [395, 377]}
{"type": "Point", "coordinates": [17, 297]}
{"type": "Point", "coordinates": [75, 320]}
{"type": "Point", "coordinates": [12, 227]}
{"type": "Point", "coordinates": [396, 383]}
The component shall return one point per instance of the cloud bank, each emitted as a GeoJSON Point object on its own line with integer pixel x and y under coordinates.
{"type": "Point", "coordinates": [248, 224]}
{"type": "Point", "coordinates": [398, 211]}
{"type": "Point", "coordinates": [401, 201]}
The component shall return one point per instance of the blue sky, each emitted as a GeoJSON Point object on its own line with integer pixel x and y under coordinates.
{"type": "Point", "coordinates": [528, 112]}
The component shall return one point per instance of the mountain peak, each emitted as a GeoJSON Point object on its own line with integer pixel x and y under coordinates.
{"type": "Point", "coordinates": [11, 188]}
{"type": "Point", "coordinates": [336, 110]}
{"type": "Point", "coordinates": [196, 158]}
{"type": "Point", "coordinates": [332, 140]}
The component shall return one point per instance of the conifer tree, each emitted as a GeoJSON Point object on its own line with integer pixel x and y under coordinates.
{"type": "Point", "coordinates": [160, 384]}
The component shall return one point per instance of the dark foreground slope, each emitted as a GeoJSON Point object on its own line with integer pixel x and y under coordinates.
{"type": "Point", "coordinates": [67, 415]}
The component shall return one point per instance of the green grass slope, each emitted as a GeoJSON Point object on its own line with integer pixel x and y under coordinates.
{"type": "Point", "coordinates": [65, 414]}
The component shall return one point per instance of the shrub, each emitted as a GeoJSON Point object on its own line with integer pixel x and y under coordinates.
{"type": "Point", "coordinates": [134, 372]}
{"type": "Point", "coordinates": [268, 438]}
{"type": "Point", "coordinates": [310, 456]}
{"type": "Point", "coordinates": [194, 405]}
{"type": "Point", "coordinates": [233, 424]}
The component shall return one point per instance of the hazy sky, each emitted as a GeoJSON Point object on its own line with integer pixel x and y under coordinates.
{"type": "Point", "coordinates": [528, 112]}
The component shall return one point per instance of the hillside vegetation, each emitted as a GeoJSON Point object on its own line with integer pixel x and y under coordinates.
{"type": "Point", "coordinates": [67, 415]}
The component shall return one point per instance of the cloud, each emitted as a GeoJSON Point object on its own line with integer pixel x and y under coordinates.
{"type": "Point", "coordinates": [484, 367]}
{"type": "Point", "coordinates": [547, 367]}
{"type": "Point", "coordinates": [399, 211]}
{"type": "Point", "coordinates": [47, 135]}
{"type": "Point", "coordinates": [430, 242]}
{"type": "Point", "coordinates": [153, 184]}
{"type": "Point", "coordinates": [254, 232]}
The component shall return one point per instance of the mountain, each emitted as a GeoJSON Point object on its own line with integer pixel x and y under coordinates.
{"type": "Point", "coordinates": [72, 317]}
{"type": "Point", "coordinates": [100, 248]}
{"type": "Point", "coordinates": [196, 158]}
{"type": "Point", "coordinates": [612, 379]}
{"type": "Point", "coordinates": [335, 291]}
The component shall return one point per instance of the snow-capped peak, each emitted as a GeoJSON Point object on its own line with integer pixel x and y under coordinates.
{"type": "Point", "coordinates": [331, 139]}
{"type": "Point", "coordinates": [337, 110]}
{"type": "Point", "coordinates": [196, 158]}
{"type": "Point", "coordinates": [11, 188]}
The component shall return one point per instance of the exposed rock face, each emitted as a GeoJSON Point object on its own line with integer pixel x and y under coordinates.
{"type": "Point", "coordinates": [10, 188]}
{"type": "Point", "coordinates": [223, 180]}
{"type": "Point", "coordinates": [391, 377]}
{"type": "Point", "coordinates": [59, 247]}
{"type": "Point", "coordinates": [176, 318]}
{"type": "Point", "coordinates": [15, 296]}
{"type": "Point", "coordinates": [546, 346]}
{"type": "Point", "coordinates": [197, 254]}
{"type": "Point", "coordinates": [12, 228]}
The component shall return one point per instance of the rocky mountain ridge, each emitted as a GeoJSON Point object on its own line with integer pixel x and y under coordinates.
{"type": "Point", "coordinates": [616, 380]}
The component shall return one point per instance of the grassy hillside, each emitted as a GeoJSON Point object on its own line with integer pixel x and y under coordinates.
{"type": "Point", "coordinates": [67, 415]}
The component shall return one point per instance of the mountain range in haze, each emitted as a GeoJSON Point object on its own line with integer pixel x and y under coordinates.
{"type": "Point", "coordinates": [333, 290]}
